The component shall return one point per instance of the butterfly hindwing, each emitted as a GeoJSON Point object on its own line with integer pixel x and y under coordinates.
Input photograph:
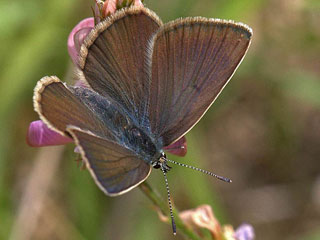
{"type": "Point", "coordinates": [114, 168]}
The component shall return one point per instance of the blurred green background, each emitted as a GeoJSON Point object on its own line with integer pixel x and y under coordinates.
{"type": "Point", "coordinates": [263, 131]}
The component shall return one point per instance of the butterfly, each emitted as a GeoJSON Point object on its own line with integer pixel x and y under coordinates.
{"type": "Point", "coordinates": [149, 84]}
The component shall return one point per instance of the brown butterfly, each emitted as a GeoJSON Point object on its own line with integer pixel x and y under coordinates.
{"type": "Point", "coordinates": [150, 83]}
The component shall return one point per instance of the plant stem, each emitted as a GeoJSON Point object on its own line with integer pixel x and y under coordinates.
{"type": "Point", "coordinates": [163, 207]}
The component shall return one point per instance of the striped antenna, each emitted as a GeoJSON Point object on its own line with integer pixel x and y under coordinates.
{"type": "Point", "coordinates": [174, 229]}
{"type": "Point", "coordinates": [200, 170]}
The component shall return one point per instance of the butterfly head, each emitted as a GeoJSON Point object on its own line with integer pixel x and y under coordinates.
{"type": "Point", "coordinates": [161, 163]}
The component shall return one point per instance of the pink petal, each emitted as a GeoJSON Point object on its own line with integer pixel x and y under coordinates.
{"type": "Point", "coordinates": [77, 36]}
{"type": "Point", "coordinates": [178, 148]}
{"type": "Point", "coordinates": [202, 217]}
{"type": "Point", "coordinates": [138, 3]}
{"type": "Point", "coordinates": [39, 135]}
{"type": "Point", "coordinates": [81, 83]}
{"type": "Point", "coordinates": [109, 7]}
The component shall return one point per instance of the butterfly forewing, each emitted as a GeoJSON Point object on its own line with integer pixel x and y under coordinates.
{"type": "Point", "coordinates": [191, 60]}
{"type": "Point", "coordinates": [115, 168]}
{"type": "Point", "coordinates": [113, 58]}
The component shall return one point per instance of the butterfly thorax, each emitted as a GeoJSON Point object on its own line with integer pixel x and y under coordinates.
{"type": "Point", "coordinates": [143, 143]}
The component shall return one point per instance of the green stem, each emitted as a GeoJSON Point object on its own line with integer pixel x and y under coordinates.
{"type": "Point", "coordinates": [163, 206]}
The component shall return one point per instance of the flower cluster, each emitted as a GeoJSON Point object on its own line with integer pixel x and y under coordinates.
{"type": "Point", "coordinates": [203, 218]}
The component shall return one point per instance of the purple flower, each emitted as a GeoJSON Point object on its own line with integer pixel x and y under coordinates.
{"type": "Point", "coordinates": [39, 134]}
{"type": "Point", "coordinates": [178, 148]}
{"type": "Point", "coordinates": [244, 232]}
{"type": "Point", "coordinates": [77, 36]}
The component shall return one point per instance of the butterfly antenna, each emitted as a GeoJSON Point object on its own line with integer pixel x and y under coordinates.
{"type": "Point", "coordinates": [200, 170]}
{"type": "Point", "coordinates": [174, 229]}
